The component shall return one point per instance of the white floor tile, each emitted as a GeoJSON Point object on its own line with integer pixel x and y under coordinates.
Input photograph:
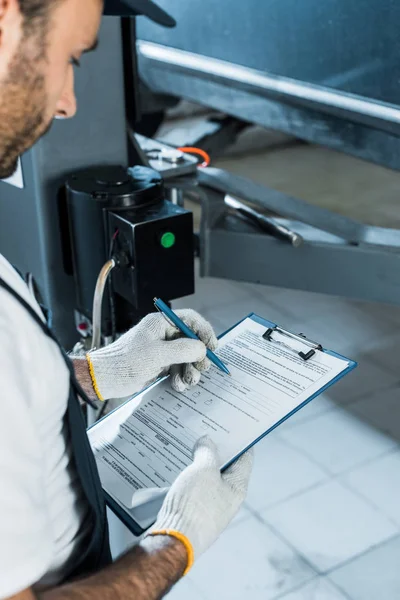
{"type": "Point", "coordinates": [185, 590]}
{"type": "Point", "coordinates": [318, 589]}
{"type": "Point", "coordinates": [213, 292]}
{"type": "Point", "coordinates": [327, 179]}
{"type": "Point", "coordinates": [243, 514]}
{"type": "Point", "coordinates": [379, 482]}
{"type": "Point", "coordinates": [312, 312]}
{"type": "Point", "coordinates": [385, 352]}
{"type": "Point", "coordinates": [366, 379]}
{"type": "Point", "coordinates": [338, 440]}
{"type": "Point", "coordinates": [224, 302]}
{"type": "Point", "coordinates": [233, 312]}
{"type": "Point", "coordinates": [347, 330]}
{"type": "Point", "coordinates": [374, 576]}
{"type": "Point", "coordinates": [329, 525]}
{"type": "Point", "coordinates": [317, 407]}
{"type": "Point", "coordinates": [267, 302]}
{"type": "Point", "coordinates": [207, 312]}
{"type": "Point", "coordinates": [381, 410]}
{"type": "Point", "coordinates": [212, 297]}
{"type": "Point", "coordinates": [381, 312]}
{"type": "Point", "coordinates": [249, 561]}
{"type": "Point", "coordinates": [220, 327]}
{"type": "Point", "coordinates": [279, 472]}
{"type": "Point", "coordinates": [230, 314]}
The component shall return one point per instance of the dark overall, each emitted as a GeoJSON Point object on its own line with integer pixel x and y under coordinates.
{"type": "Point", "coordinates": [96, 554]}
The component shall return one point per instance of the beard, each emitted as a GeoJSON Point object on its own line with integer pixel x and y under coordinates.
{"type": "Point", "coordinates": [22, 108]}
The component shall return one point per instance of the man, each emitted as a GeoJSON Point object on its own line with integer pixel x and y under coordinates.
{"type": "Point", "coordinates": [53, 536]}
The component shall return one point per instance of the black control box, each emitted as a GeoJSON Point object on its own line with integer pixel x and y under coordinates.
{"type": "Point", "coordinates": [120, 214]}
{"type": "Point", "coordinates": [157, 254]}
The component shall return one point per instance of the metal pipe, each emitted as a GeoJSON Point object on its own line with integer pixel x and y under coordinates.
{"type": "Point", "coordinates": [176, 196]}
{"type": "Point", "coordinates": [98, 302]}
{"type": "Point", "coordinates": [267, 224]}
{"type": "Point", "coordinates": [381, 115]}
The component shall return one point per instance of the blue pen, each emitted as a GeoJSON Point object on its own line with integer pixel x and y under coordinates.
{"type": "Point", "coordinates": [161, 306]}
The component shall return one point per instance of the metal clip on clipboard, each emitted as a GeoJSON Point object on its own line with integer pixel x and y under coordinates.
{"type": "Point", "coordinates": [314, 346]}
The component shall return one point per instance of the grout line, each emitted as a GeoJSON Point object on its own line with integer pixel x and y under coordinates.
{"type": "Point", "coordinates": [264, 521]}
{"type": "Point", "coordinates": [292, 496]}
{"type": "Point", "coordinates": [372, 548]}
{"type": "Point", "coordinates": [243, 518]}
{"type": "Point", "coordinates": [309, 457]}
{"type": "Point", "coordinates": [329, 479]}
{"type": "Point", "coordinates": [295, 589]}
{"type": "Point", "coordinates": [339, 589]}
{"type": "Point", "coordinates": [368, 461]}
{"type": "Point", "coordinates": [282, 538]}
{"type": "Point", "coordinates": [348, 469]}
{"type": "Point", "coordinates": [370, 502]}
{"type": "Point", "coordinates": [339, 565]}
{"type": "Point", "coordinates": [337, 476]}
{"type": "Point", "coordinates": [317, 578]}
{"type": "Point", "coordinates": [311, 417]}
{"type": "Point", "coordinates": [344, 407]}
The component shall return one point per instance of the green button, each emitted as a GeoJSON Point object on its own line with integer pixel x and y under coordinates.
{"type": "Point", "coordinates": [168, 239]}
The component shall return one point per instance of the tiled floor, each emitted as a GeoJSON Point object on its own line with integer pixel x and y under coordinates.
{"type": "Point", "coordinates": [322, 517]}
{"type": "Point", "coordinates": [326, 178]}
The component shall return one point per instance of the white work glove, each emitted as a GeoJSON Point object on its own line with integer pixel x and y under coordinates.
{"type": "Point", "coordinates": [202, 502]}
{"type": "Point", "coordinates": [151, 349]}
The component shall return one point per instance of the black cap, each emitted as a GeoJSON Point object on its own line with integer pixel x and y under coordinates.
{"type": "Point", "coordinates": [130, 8]}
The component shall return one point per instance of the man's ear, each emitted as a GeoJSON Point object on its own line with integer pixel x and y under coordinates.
{"type": "Point", "coordinates": [10, 32]}
{"type": "Point", "coordinates": [3, 7]}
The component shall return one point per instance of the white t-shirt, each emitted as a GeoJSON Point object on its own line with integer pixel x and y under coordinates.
{"type": "Point", "coordinates": [43, 515]}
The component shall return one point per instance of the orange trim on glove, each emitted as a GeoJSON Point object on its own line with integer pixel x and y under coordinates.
{"type": "Point", "coordinates": [185, 541]}
{"type": "Point", "coordinates": [94, 382]}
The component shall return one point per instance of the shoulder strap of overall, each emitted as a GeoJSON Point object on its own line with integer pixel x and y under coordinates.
{"type": "Point", "coordinates": [97, 551]}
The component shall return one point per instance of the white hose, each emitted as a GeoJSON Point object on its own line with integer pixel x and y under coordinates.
{"type": "Point", "coordinates": [98, 302]}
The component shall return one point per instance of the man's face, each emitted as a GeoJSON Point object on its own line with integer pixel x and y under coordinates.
{"type": "Point", "coordinates": [36, 71]}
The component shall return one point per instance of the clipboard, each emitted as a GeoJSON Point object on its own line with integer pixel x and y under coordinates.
{"type": "Point", "coordinates": [306, 353]}
{"type": "Point", "coordinates": [310, 345]}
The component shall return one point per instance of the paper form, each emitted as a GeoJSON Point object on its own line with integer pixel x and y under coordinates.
{"type": "Point", "coordinates": [148, 445]}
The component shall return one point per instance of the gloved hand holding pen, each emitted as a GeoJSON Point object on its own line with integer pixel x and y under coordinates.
{"type": "Point", "coordinates": [149, 350]}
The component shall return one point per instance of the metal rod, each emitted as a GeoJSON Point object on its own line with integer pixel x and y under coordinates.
{"type": "Point", "coordinates": [176, 196]}
{"type": "Point", "coordinates": [297, 337]}
{"type": "Point", "coordinates": [267, 224]}
{"type": "Point", "coordinates": [98, 301]}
